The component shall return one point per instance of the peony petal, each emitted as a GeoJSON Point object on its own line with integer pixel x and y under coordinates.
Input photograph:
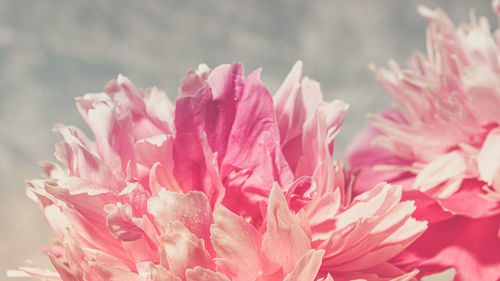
{"type": "Point", "coordinates": [468, 202]}
{"type": "Point", "coordinates": [362, 156]}
{"type": "Point", "coordinates": [156, 155]}
{"type": "Point", "coordinates": [82, 163]}
{"type": "Point", "coordinates": [488, 159]}
{"type": "Point", "coordinates": [203, 274]}
{"type": "Point", "coordinates": [159, 108]}
{"type": "Point", "coordinates": [446, 167]}
{"type": "Point", "coordinates": [254, 146]}
{"type": "Point", "coordinates": [285, 241]}
{"type": "Point", "coordinates": [382, 272]}
{"type": "Point", "coordinates": [211, 111]}
{"type": "Point", "coordinates": [115, 274]}
{"type": "Point", "coordinates": [139, 243]}
{"type": "Point", "coordinates": [191, 209]}
{"type": "Point", "coordinates": [194, 80]}
{"type": "Point", "coordinates": [238, 244]}
{"type": "Point", "coordinates": [184, 250]}
{"type": "Point", "coordinates": [36, 272]}
{"type": "Point", "coordinates": [307, 267]}
{"type": "Point", "coordinates": [294, 102]}
{"type": "Point", "coordinates": [472, 249]}
{"type": "Point", "coordinates": [114, 140]}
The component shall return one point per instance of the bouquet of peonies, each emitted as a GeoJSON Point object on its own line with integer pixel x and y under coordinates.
{"type": "Point", "coordinates": [233, 183]}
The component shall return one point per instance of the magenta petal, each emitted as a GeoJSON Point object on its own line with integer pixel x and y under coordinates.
{"type": "Point", "coordinates": [210, 112]}
{"type": "Point", "coordinates": [468, 202]}
{"type": "Point", "coordinates": [471, 246]}
{"type": "Point", "coordinates": [254, 147]}
{"type": "Point", "coordinates": [237, 119]}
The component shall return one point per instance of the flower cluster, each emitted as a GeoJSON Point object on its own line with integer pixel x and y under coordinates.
{"type": "Point", "coordinates": [228, 184]}
{"type": "Point", "coordinates": [231, 183]}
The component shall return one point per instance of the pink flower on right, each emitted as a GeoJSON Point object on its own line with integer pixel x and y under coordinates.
{"type": "Point", "coordinates": [441, 142]}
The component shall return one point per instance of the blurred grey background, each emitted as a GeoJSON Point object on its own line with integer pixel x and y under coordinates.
{"type": "Point", "coordinates": [52, 51]}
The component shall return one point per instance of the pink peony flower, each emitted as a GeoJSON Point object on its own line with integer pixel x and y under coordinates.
{"type": "Point", "coordinates": [442, 143]}
{"type": "Point", "coordinates": [192, 192]}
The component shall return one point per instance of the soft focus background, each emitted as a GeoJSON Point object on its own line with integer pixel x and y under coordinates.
{"type": "Point", "coordinates": [53, 51]}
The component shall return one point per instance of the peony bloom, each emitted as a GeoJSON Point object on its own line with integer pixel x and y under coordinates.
{"type": "Point", "coordinates": [228, 184]}
{"type": "Point", "coordinates": [442, 143]}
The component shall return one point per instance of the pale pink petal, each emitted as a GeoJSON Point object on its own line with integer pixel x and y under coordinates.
{"type": "Point", "coordinates": [319, 132]}
{"type": "Point", "coordinates": [317, 148]}
{"type": "Point", "coordinates": [193, 81]}
{"type": "Point", "coordinates": [33, 271]}
{"type": "Point", "coordinates": [155, 154]}
{"type": "Point", "coordinates": [154, 149]}
{"type": "Point", "coordinates": [307, 267]}
{"type": "Point", "coordinates": [184, 250]}
{"type": "Point", "coordinates": [382, 272]}
{"type": "Point", "coordinates": [135, 195]}
{"type": "Point", "coordinates": [443, 168]}
{"type": "Point", "coordinates": [482, 86]}
{"type": "Point", "coordinates": [161, 177]}
{"type": "Point", "coordinates": [375, 228]}
{"type": "Point", "coordinates": [488, 159]}
{"type": "Point", "coordinates": [139, 243]}
{"type": "Point", "coordinates": [369, 204]}
{"type": "Point", "coordinates": [237, 243]}
{"type": "Point", "coordinates": [53, 170]}
{"type": "Point", "coordinates": [295, 102]}
{"type": "Point", "coordinates": [82, 213]}
{"type": "Point", "coordinates": [286, 90]}
{"type": "Point", "coordinates": [115, 274]}
{"type": "Point", "coordinates": [285, 241]}
{"type": "Point", "coordinates": [159, 273]}
{"type": "Point", "coordinates": [203, 274]}
{"type": "Point", "coordinates": [191, 209]}
{"type": "Point", "coordinates": [114, 140]}
{"type": "Point", "coordinates": [129, 103]}
{"type": "Point", "coordinates": [159, 108]}
{"type": "Point", "coordinates": [82, 163]}
{"type": "Point", "coordinates": [321, 214]}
